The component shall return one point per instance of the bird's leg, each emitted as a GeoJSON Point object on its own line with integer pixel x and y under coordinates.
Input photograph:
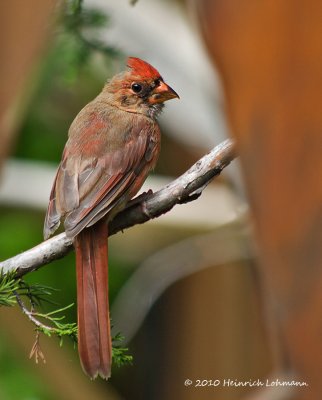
{"type": "Point", "coordinates": [141, 198]}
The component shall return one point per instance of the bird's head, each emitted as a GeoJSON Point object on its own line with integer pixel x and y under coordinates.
{"type": "Point", "coordinates": [141, 89]}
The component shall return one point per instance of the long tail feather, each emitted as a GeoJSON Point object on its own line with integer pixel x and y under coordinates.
{"type": "Point", "coordinates": [94, 336]}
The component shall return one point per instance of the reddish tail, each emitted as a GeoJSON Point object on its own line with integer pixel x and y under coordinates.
{"type": "Point", "coordinates": [94, 335]}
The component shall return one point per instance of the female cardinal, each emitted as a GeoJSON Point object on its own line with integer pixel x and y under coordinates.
{"type": "Point", "coordinates": [112, 145]}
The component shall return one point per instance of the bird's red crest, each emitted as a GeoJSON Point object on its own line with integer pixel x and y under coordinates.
{"type": "Point", "coordinates": [142, 68]}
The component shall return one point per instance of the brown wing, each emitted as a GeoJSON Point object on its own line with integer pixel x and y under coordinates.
{"type": "Point", "coordinates": [52, 219]}
{"type": "Point", "coordinates": [88, 187]}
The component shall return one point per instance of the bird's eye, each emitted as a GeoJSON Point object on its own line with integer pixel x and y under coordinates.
{"type": "Point", "coordinates": [136, 87]}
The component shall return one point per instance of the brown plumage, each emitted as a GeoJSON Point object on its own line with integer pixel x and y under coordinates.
{"type": "Point", "coordinates": [113, 144]}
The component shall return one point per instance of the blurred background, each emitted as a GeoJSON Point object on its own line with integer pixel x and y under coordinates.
{"type": "Point", "coordinates": [186, 290]}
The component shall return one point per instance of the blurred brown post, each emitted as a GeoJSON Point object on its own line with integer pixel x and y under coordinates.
{"type": "Point", "coordinates": [24, 31]}
{"type": "Point", "coordinates": [269, 54]}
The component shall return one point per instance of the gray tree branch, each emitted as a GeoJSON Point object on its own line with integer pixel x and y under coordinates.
{"type": "Point", "coordinates": [184, 189]}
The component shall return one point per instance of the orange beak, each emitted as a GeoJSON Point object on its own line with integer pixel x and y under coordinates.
{"type": "Point", "coordinates": [162, 93]}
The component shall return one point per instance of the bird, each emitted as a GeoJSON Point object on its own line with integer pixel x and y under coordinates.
{"type": "Point", "coordinates": [113, 143]}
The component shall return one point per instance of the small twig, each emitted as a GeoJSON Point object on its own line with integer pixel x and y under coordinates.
{"type": "Point", "coordinates": [58, 328]}
{"type": "Point", "coordinates": [186, 188]}
{"type": "Point", "coordinates": [30, 315]}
